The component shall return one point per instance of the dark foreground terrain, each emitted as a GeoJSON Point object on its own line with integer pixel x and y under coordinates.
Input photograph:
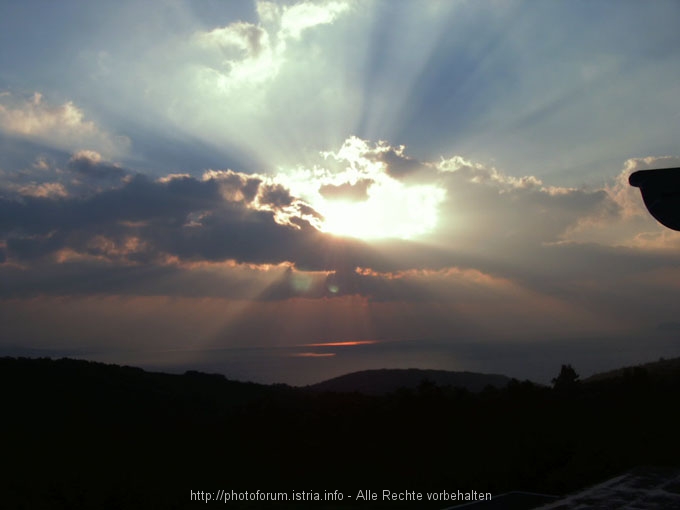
{"type": "Point", "coordinates": [79, 434]}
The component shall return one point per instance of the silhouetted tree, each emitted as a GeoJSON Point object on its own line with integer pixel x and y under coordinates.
{"type": "Point", "coordinates": [567, 378]}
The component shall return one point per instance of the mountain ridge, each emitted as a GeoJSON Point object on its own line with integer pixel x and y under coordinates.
{"type": "Point", "coordinates": [94, 435]}
{"type": "Point", "coordinates": [387, 380]}
{"type": "Point", "coordinates": [661, 368]}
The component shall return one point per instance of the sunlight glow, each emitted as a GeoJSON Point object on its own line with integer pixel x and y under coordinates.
{"type": "Point", "coordinates": [390, 212]}
{"type": "Point", "coordinates": [361, 199]}
{"type": "Point", "coordinates": [342, 344]}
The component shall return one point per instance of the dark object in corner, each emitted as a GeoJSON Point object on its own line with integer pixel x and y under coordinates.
{"type": "Point", "coordinates": [661, 193]}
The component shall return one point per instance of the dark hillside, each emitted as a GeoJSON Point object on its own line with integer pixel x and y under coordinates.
{"type": "Point", "coordinates": [381, 382]}
{"type": "Point", "coordinates": [664, 368]}
{"type": "Point", "coordinates": [87, 435]}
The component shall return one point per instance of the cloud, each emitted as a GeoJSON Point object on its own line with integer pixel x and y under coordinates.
{"type": "Point", "coordinates": [234, 185]}
{"type": "Point", "coordinates": [626, 196]}
{"type": "Point", "coordinates": [63, 126]}
{"type": "Point", "coordinates": [241, 252]}
{"type": "Point", "coordinates": [41, 163]}
{"type": "Point", "coordinates": [504, 214]}
{"type": "Point", "coordinates": [396, 163]}
{"type": "Point", "coordinates": [383, 206]}
{"type": "Point", "coordinates": [304, 15]}
{"type": "Point", "coordinates": [264, 78]}
{"type": "Point", "coordinates": [243, 53]}
{"type": "Point", "coordinates": [83, 174]}
{"type": "Point", "coordinates": [474, 209]}
{"type": "Point", "coordinates": [193, 219]}
{"type": "Point", "coordinates": [89, 163]}
{"type": "Point", "coordinates": [489, 212]}
{"type": "Point", "coordinates": [624, 220]}
{"type": "Point", "coordinates": [473, 206]}
{"type": "Point", "coordinates": [44, 190]}
{"type": "Point", "coordinates": [356, 192]}
{"type": "Point", "coordinates": [274, 195]}
{"type": "Point", "coordinates": [369, 158]}
{"type": "Point", "coordinates": [511, 244]}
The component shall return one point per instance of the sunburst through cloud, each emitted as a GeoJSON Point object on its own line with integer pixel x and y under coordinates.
{"type": "Point", "coordinates": [338, 253]}
{"type": "Point", "coordinates": [286, 174]}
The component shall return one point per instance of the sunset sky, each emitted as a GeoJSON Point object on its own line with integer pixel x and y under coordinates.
{"type": "Point", "coordinates": [289, 191]}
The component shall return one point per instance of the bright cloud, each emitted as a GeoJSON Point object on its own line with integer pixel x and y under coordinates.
{"type": "Point", "coordinates": [299, 17]}
{"type": "Point", "coordinates": [63, 126]}
{"type": "Point", "coordinates": [624, 220]}
{"type": "Point", "coordinates": [247, 54]}
{"type": "Point", "coordinates": [384, 207]}
{"type": "Point", "coordinates": [243, 53]}
{"type": "Point", "coordinates": [44, 190]}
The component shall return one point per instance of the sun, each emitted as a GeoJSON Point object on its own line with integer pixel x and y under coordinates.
{"type": "Point", "coordinates": [356, 195]}
{"type": "Point", "coordinates": [391, 210]}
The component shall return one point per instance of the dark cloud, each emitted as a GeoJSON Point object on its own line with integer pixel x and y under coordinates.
{"type": "Point", "coordinates": [488, 210]}
{"type": "Point", "coordinates": [33, 247]}
{"type": "Point", "coordinates": [235, 185]}
{"type": "Point", "coordinates": [397, 164]}
{"type": "Point", "coordinates": [275, 195]}
{"type": "Point", "coordinates": [356, 192]}
{"type": "Point", "coordinates": [57, 175]}
{"type": "Point", "coordinates": [499, 245]}
{"type": "Point", "coordinates": [160, 217]}
{"type": "Point", "coordinates": [307, 210]}
{"type": "Point", "coordinates": [144, 221]}
{"type": "Point", "coordinates": [88, 164]}
{"type": "Point", "coordinates": [140, 199]}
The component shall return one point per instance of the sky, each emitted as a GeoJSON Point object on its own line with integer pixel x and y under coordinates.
{"type": "Point", "coordinates": [289, 191]}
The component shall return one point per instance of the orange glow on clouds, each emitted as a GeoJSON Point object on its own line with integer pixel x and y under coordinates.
{"type": "Point", "coordinates": [342, 344]}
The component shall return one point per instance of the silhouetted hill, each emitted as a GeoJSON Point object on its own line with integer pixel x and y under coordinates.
{"type": "Point", "coordinates": [384, 381]}
{"type": "Point", "coordinates": [80, 435]}
{"type": "Point", "coordinates": [663, 368]}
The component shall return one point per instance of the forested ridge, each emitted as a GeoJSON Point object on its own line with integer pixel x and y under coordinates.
{"type": "Point", "coordinates": [81, 434]}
